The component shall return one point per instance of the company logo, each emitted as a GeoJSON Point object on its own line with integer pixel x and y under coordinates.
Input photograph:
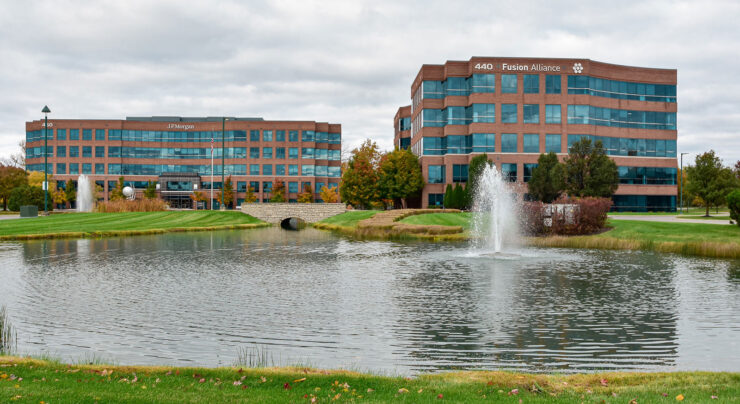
{"type": "Point", "coordinates": [179, 126]}
{"type": "Point", "coordinates": [577, 68]}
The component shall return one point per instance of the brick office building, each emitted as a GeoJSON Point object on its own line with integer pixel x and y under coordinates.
{"type": "Point", "coordinates": [513, 109]}
{"type": "Point", "coordinates": [176, 152]}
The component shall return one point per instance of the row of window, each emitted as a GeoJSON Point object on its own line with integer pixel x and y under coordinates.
{"type": "Point", "coordinates": [170, 136]}
{"type": "Point", "coordinates": [626, 203]}
{"type": "Point", "coordinates": [155, 169]}
{"type": "Point", "coordinates": [620, 118]}
{"type": "Point", "coordinates": [486, 113]}
{"type": "Point", "coordinates": [621, 90]}
{"type": "Point", "coordinates": [186, 153]}
{"type": "Point", "coordinates": [486, 143]}
{"type": "Point", "coordinates": [404, 124]}
{"type": "Point", "coordinates": [486, 83]}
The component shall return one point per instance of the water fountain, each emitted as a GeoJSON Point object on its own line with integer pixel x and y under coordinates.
{"type": "Point", "coordinates": [84, 194]}
{"type": "Point", "coordinates": [496, 213]}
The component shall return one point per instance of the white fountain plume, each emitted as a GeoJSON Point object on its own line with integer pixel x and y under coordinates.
{"type": "Point", "coordinates": [84, 194]}
{"type": "Point", "coordinates": [495, 212]}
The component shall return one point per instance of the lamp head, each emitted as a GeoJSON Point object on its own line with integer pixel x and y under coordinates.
{"type": "Point", "coordinates": [46, 110]}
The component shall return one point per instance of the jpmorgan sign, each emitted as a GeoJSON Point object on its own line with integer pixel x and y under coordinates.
{"type": "Point", "coordinates": [180, 126]}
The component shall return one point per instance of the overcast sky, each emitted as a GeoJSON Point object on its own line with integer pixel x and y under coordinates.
{"type": "Point", "coordinates": [348, 62]}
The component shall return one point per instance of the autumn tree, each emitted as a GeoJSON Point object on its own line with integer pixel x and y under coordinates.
{"type": "Point", "coordinates": [116, 194]}
{"type": "Point", "coordinates": [278, 192]}
{"type": "Point", "coordinates": [227, 191]}
{"type": "Point", "coordinates": [307, 195]}
{"type": "Point", "coordinates": [360, 176]}
{"type": "Point", "coordinates": [709, 180]}
{"type": "Point", "coordinates": [198, 196]}
{"type": "Point", "coordinates": [250, 197]}
{"type": "Point", "coordinates": [399, 176]}
{"type": "Point", "coordinates": [69, 192]}
{"type": "Point", "coordinates": [151, 190]}
{"type": "Point", "coordinates": [329, 195]}
{"type": "Point", "coordinates": [36, 179]}
{"type": "Point", "coordinates": [59, 197]}
{"type": "Point", "coordinates": [10, 178]}
{"type": "Point", "coordinates": [547, 182]}
{"type": "Point", "coordinates": [589, 171]}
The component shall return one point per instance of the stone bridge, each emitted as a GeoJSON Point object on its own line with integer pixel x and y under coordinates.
{"type": "Point", "coordinates": [278, 212]}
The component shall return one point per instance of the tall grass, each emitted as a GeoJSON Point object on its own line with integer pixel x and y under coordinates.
{"type": "Point", "coordinates": [8, 335]}
{"type": "Point", "coordinates": [255, 356]}
{"type": "Point", "coordinates": [137, 205]}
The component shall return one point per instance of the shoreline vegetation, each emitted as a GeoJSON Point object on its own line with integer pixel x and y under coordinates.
{"type": "Point", "coordinates": [33, 381]}
{"type": "Point", "coordinates": [692, 239]}
{"type": "Point", "coordinates": [94, 225]}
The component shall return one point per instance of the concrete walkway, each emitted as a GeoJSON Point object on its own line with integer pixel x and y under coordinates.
{"type": "Point", "coordinates": [5, 217]}
{"type": "Point", "coordinates": [667, 219]}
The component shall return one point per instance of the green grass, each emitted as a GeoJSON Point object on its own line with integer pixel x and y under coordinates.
{"type": "Point", "coordinates": [442, 219]}
{"type": "Point", "coordinates": [110, 224]}
{"type": "Point", "coordinates": [691, 211]}
{"type": "Point", "coordinates": [349, 219]}
{"type": "Point", "coordinates": [48, 382]}
{"type": "Point", "coordinates": [672, 232]}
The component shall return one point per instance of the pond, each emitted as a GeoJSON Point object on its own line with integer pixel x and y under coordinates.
{"type": "Point", "coordinates": [314, 298]}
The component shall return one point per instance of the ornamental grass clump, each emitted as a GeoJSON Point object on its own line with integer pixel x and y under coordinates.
{"type": "Point", "coordinates": [7, 333]}
{"type": "Point", "coordinates": [137, 205]}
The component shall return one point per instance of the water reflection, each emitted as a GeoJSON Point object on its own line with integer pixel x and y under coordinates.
{"type": "Point", "coordinates": [193, 298]}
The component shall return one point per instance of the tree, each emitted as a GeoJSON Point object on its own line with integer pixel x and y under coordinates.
{"type": "Point", "coordinates": [307, 195]}
{"type": "Point", "coordinates": [116, 194]}
{"type": "Point", "coordinates": [736, 169]}
{"type": "Point", "coordinates": [10, 178]}
{"type": "Point", "coordinates": [18, 159]}
{"type": "Point", "coordinates": [458, 197]}
{"type": "Point", "coordinates": [733, 204]}
{"type": "Point", "coordinates": [329, 195]}
{"type": "Point", "coordinates": [36, 179]}
{"type": "Point", "coordinates": [360, 177]}
{"type": "Point", "coordinates": [26, 195]}
{"type": "Point", "coordinates": [58, 197]}
{"type": "Point", "coordinates": [69, 192]}
{"type": "Point", "coordinates": [709, 180]}
{"type": "Point", "coordinates": [399, 176]}
{"type": "Point", "coordinates": [547, 183]}
{"type": "Point", "coordinates": [228, 192]}
{"type": "Point", "coordinates": [475, 169]}
{"type": "Point", "coordinates": [198, 196]}
{"type": "Point", "coordinates": [447, 199]}
{"type": "Point", "coordinates": [151, 190]}
{"type": "Point", "coordinates": [278, 192]}
{"type": "Point", "coordinates": [251, 197]}
{"type": "Point", "coordinates": [589, 171]}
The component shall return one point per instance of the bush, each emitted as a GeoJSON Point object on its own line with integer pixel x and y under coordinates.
{"type": "Point", "coordinates": [28, 195]}
{"type": "Point", "coordinates": [733, 203]}
{"type": "Point", "coordinates": [589, 216]}
{"type": "Point", "coordinates": [533, 219]}
{"type": "Point", "coordinates": [137, 205]}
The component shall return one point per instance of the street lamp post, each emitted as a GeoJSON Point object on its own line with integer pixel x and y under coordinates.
{"type": "Point", "coordinates": [223, 155]}
{"type": "Point", "coordinates": [46, 111]}
{"type": "Point", "coordinates": [681, 187]}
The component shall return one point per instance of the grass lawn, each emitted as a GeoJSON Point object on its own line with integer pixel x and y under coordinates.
{"type": "Point", "coordinates": [443, 219]}
{"type": "Point", "coordinates": [94, 224]}
{"type": "Point", "coordinates": [672, 232]}
{"type": "Point", "coordinates": [34, 381]}
{"type": "Point", "coordinates": [350, 219]}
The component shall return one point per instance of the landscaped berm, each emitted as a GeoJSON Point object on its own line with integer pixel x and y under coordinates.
{"type": "Point", "coordinates": [24, 380]}
{"type": "Point", "coordinates": [123, 224]}
{"type": "Point", "coordinates": [390, 224]}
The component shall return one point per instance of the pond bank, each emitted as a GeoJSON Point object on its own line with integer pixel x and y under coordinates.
{"type": "Point", "coordinates": [33, 381]}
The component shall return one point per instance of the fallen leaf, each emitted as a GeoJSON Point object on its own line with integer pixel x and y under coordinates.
{"type": "Point", "coordinates": [303, 379]}
{"type": "Point", "coordinates": [237, 383]}
{"type": "Point", "coordinates": [604, 382]}
{"type": "Point", "coordinates": [403, 390]}
{"type": "Point", "coordinates": [168, 373]}
{"type": "Point", "coordinates": [240, 370]}
{"type": "Point", "coordinates": [202, 380]}
{"type": "Point", "coordinates": [714, 397]}
{"type": "Point", "coordinates": [490, 383]}
{"type": "Point", "coordinates": [286, 386]}
{"type": "Point", "coordinates": [368, 390]}
{"type": "Point", "coordinates": [440, 396]}
{"type": "Point", "coordinates": [679, 397]}
{"type": "Point", "coordinates": [514, 392]}
{"type": "Point", "coordinates": [420, 390]}
{"type": "Point", "coordinates": [263, 379]}
{"type": "Point", "coordinates": [633, 401]}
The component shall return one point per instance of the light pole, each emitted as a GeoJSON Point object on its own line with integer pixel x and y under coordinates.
{"type": "Point", "coordinates": [681, 187]}
{"type": "Point", "coordinates": [223, 156]}
{"type": "Point", "coordinates": [46, 111]}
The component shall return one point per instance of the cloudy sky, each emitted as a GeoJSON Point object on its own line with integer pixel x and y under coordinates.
{"type": "Point", "coordinates": [348, 62]}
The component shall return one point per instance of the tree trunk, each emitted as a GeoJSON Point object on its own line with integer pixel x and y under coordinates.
{"type": "Point", "coordinates": [707, 215]}
{"type": "Point", "coordinates": [403, 203]}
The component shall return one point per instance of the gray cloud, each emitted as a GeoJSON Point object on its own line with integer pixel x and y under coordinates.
{"type": "Point", "coordinates": [350, 62]}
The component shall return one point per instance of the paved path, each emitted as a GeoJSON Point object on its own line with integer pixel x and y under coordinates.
{"type": "Point", "coordinates": [667, 219]}
{"type": "Point", "coordinates": [5, 217]}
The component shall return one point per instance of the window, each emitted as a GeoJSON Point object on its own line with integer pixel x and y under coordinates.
{"type": "Point", "coordinates": [455, 115]}
{"type": "Point", "coordinates": [74, 134]}
{"type": "Point", "coordinates": [267, 186]}
{"type": "Point", "coordinates": [87, 168]}
{"type": "Point", "coordinates": [279, 169]}
{"type": "Point", "coordinates": [622, 90]}
{"type": "Point", "coordinates": [509, 84]}
{"type": "Point", "coordinates": [531, 143]}
{"type": "Point", "coordinates": [508, 113]}
{"type": "Point", "coordinates": [459, 173]}
{"type": "Point", "coordinates": [531, 113]}
{"type": "Point", "coordinates": [254, 136]}
{"type": "Point", "coordinates": [267, 136]}
{"type": "Point", "coordinates": [508, 142]}
{"type": "Point", "coordinates": [61, 134]}
{"type": "Point", "coordinates": [87, 134]}
{"type": "Point", "coordinates": [307, 152]}
{"type": "Point", "coordinates": [99, 134]}
{"type": "Point", "coordinates": [61, 168]}
{"type": "Point", "coordinates": [279, 135]}
{"type": "Point", "coordinates": [254, 152]}
{"type": "Point", "coordinates": [292, 187]}
{"type": "Point", "coordinates": [99, 151]}
{"type": "Point", "coordinates": [114, 151]}
{"type": "Point", "coordinates": [434, 146]}
{"type": "Point", "coordinates": [74, 151]}
{"type": "Point", "coordinates": [254, 169]}
{"type": "Point", "coordinates": [552, 113]}
{"type": "Point", "coordinates": [99, 168]}
{"type": "Point", "coordinates": [458, 144]}
{"type": "Point", "coordinates": [267, 152]}
{"type": "Point", "coordinates": [292, 152]}
{"type": "Point", "coordinates": [436, 199]}
{"type": "Point", "coordinates": [437, 174]}
{"type": "Point", "coordinates": [552, 84]}
{"type": "Point", "coordinates": [74, 168]}
{"type": "Point", "coordinates": [267, 169]}
{"type": "Point", "coordinates": [484, 142]}
{"type": "Point", "coordinates": [432, 89]}
{"type": "Point", "coordinates": [307, 136]}
{"type": "Point", "coordinates": [509, 171]}
{"type": "Point", "coordinates": [552, 143]}
{"type": "Point", "coordinates": [531, 84]}
{"type": "Point", "coordinates": [307, 169]}
{"type": "Point", "coordinates": [621, 118]}
{"type": "Point", "coordinates": [483, 83]}
{"type": "Point", "coordinates": [483, 113]}
{"type": "Point", "coordinates": [61, 151]}
{"type": "Point", "coordinates": [280, 152]}
{"type": "Point", "coordinates": [528, 169]}
{"type": "Point", "coordinates": [292, 169]}
{"type": "Point", "coordinates": [293, 136]}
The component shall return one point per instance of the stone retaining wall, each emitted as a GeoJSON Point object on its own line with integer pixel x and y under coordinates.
{"type": "Point", "coordinates": [309, 212]}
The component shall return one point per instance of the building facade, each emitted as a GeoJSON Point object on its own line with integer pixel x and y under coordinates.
{"type": "Point", "coordinates": [514, 109]}
{"type": "Point", "coordinates": [176, 152]}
